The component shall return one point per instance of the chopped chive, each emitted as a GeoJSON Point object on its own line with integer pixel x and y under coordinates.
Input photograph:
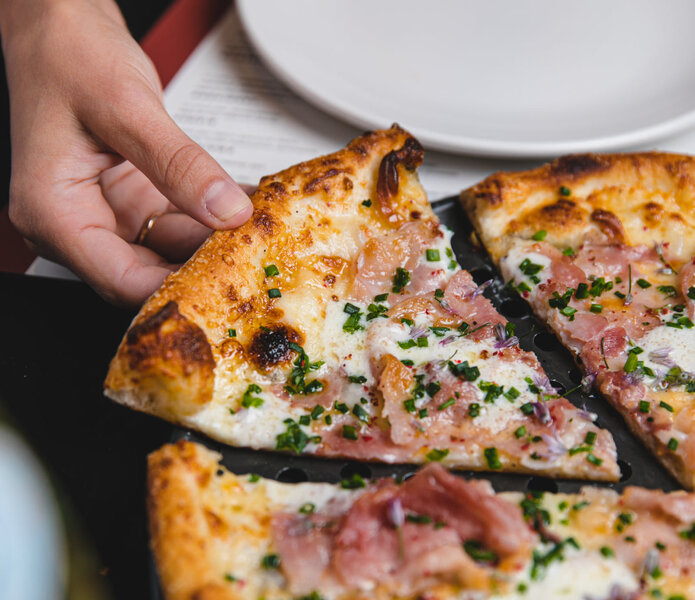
{"type": "Point", "coordinates": [512, 394]}
{"type": "Point", "coordinates": [436, 455]}
{"type": "Point", "coordinates": [492, 458]}
{"type": "Point", "coordinates": [422, 342]}
{"type": "Point", "coordinates": [565, 191]}
{"type": "Point", "coordinates": [271, 271]}
{"type": "Point", "coordinates": [274, 293]}
{"type": "Point", "coordinates": [400, 280]}
{"type": "Point", "coordinates": [381, 298]}
{"type": "Point", "coordinates": [539, 236]}
{"type": "Point", "coordinates": [667, 290]}
{"type": "Point", "coordinates": [691, 292]}
{"type": "Point", "coordinates": [520, 432]}
{"type": "Point", "coordinates": [422, 413]}
{"type": "Point", "coordinates": [672, 444]}
{"type": "Point", "coordinates": [407, 362]}
{"type": "Point", "coordinates": [582, 291]}
{"type": "Point", "coordinates": [408, 322]}
{"type": "Point", "coordinates": [304, 420]}
{"type": "Point", "coordinates": [350, 309]}
{"type": "Point", "coordinates": [644, 406]}
{"type": "Point", "coordinates": [231, 333]}
{"type": "Point", "coordinates": [357, 379]}
{"type": "Point", "coordinates": [432, 255]}
{"type": "Point", "coordinates": [270, 561]}
{"type": "Point", "coordinates": [317, 411]}
{"type": "Point", "coordinates": [594, 460]}
{"type": "Point", "coordinates": [631, 363]}
{"type": "Point", "coordinates": [353, 483]}
{"type": "Point", "coordinates": [349, 432]}
{"type": "Point", "coordinates": [568, 251]}
{"type": "Point", "coordinates": [596, 308]}
{"type": "Point", "coordinates": [367, 202]}
{"type": "Point", "coordinates": [666, 405]}
{"type": "Point", "coordinates": [360, 413]}
{"type": "Point", "coordinates": [447, 404]}
{"type": "Point", "coordinates": [432, 388]}
{"type": "Point", "coordinates": [474, 410]}
{"type": "Point", "coordinates": [607, 552]}
{"type": "Point", "coordinates": [643, 283]}
{"type": "Point", "coordinates": [307, 508]}
{"type": "Point", "coordinates": [590, 438]}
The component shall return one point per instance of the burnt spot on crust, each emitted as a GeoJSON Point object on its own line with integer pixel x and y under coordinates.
{"type": "Point", "coordinates": [270, 346]}
{"type": "Point", "coordinates": [232, 295]}
{"type": "Point", "coordinates": [347, 184]}
{"type": "Point", "coordinates": [409, 155]}
{"type": "Point", "coordinates": [577, 165]}
{"type": "Point", "coordinates": [562, 213]}
{"type": "Point", "coordinates": [170, 337]}
{"type": "Point", "coordinates": [311, 186]}
{"type": "Point", "coordinates": [609, 224]}
{"type": "Point", "coordinates": [653, 213]}
{"type": "Point", "coordinates": [488, 192]}
{"type": "Point", "coordinates": [415, 215]}
{"type": "Point", "coordinates": [264, 221]}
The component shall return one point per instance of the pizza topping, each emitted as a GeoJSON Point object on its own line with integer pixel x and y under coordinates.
{"type": "Point", "coordinates": [433, 527]}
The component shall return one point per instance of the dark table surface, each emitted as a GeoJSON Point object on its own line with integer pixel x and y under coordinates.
{"type": "Point", "coordinates": [56, 343]}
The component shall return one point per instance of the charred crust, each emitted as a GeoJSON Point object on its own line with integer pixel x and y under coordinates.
{"type": "Point", "coordinates": [577, 165]}
{"type": "Point", "coordinates": [311, 186]}
{"type": "Point", "coordinates": [170, 336]}
{"type": "Point", "coordinates": [232, 295]}
{"type": "Point", "coordinates": [609, 224]}
{"type": "Point", "coordinates": [409, 155]}
{"type": "Point", "coordinates": [247, 239]}
{"type": "Point", "coordinates": [489, 192]}
{"type": "Point", "coordinates": [264, 222]}
{"type": "Point", "coordinates": [270, 346]}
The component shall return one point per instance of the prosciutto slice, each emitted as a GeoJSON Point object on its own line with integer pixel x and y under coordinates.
{"type": "Point", "coordinates": [404, 537]}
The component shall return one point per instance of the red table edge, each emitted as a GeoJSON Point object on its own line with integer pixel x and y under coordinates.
{"type": "Point", "coordinates": [168, 43]}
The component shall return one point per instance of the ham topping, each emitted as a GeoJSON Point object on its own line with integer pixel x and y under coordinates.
{"type": "Point", "coordinates": [405, 537]}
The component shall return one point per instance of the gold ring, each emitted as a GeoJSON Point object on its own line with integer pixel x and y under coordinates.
{"type": "Point", "coordinates": [147, 226]}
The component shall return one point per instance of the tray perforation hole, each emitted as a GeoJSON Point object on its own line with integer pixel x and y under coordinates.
{"type": "Point", "coordinates": [481, 274]}
{"type": "Point", "coordinates": [546, 341]}
{"type": "Point", "coordinates": [292, 475]}
{"type": "Point", "coordinates": [514, 308]}
{"type": "Point", "coordinates": [625, 470]}
{"type": "Point", "coordinates": [351, 469]}
{"type": "Point", "coordinates": [561, 389]}
{"type": "Point", "coordinates": [542, 484]}
{"type": "Point", "coordinates": [575, 375]}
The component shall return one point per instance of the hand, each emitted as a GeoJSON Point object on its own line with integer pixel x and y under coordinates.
{"type": "Point", "coordinates": [94, 152]}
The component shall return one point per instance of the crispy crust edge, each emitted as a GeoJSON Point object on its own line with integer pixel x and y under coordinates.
{"type": "Point", "coordinates": [156, 375]}
{"type": "Point", "coordinates": [505, 191]}
{"type": "Point", "coordinates": [177, 524]}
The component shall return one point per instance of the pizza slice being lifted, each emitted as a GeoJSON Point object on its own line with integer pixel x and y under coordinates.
{"type": "Point", "coordinates": [219, 535]}
{"type": "Point", "coordinates": [337, 322]}
{"type": "Point", "coordinates": [602, 248]}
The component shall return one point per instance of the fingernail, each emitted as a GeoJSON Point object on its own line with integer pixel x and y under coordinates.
{"type": "Point", "coordinates": [224, 200]}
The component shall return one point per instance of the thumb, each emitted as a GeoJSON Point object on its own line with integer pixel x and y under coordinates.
{"type": "Point", "coordinates": [178, 167]}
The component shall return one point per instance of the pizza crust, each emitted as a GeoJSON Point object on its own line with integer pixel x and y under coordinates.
{"type": "Point", "coordinates": [178, 352]}
{"type": "Point", "coordinates": [611, 199]}
{"type": "Point", "coordinates": [179, 532]}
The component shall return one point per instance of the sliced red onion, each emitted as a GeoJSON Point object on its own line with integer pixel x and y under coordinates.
{"type": "Point", "coordinates": [661, 357]}
{"type": "Point", "coordinates": [418, 331]}
{"type": "Point", "coordinates": [447, 340]}
{"type": "Point", "coordinates": [445, 305]}
{"type": "Point", "coordinates": [540, 409]}
{"type": "Point", "coordinates": [394, 512]}
{"type": "Point", "coordinates": [584, 413]}
{"type": "Point", "coordinates": [543, 384]}
{"type": "Point", "coordinates": [588, 381]}
{"type": "Point", "coordinates": [508, 343]}
{"type": "Point", "coordinates": [555, 446]}
{"type": "Point", "coordinates": [481, 288]}
{"type": "Point", "coordinates": [650, 562]}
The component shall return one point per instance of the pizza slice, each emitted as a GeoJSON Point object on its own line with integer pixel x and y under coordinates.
{"type": "Point", "coordinates": [435, 535]}
{"type": "Point", "coordinates": [602, 248]}
{"type": "Point", "coordinates": [337, 322]}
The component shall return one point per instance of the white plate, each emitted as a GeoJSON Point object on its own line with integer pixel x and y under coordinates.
{"type": "Point", "coordinates": [489, 77]}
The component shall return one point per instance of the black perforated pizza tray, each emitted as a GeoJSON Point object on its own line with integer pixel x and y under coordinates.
{"type": "Point", "coordinates": [637, 465]}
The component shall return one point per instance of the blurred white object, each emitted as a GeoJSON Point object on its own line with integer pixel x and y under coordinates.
{"type": "Point", "coordinates": [489, 77]}
{"type": "Point", "coordinates": [32, 548]}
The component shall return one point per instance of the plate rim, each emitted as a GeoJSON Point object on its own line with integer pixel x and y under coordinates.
{"type": "Point", "coordinates": [457, 144]}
